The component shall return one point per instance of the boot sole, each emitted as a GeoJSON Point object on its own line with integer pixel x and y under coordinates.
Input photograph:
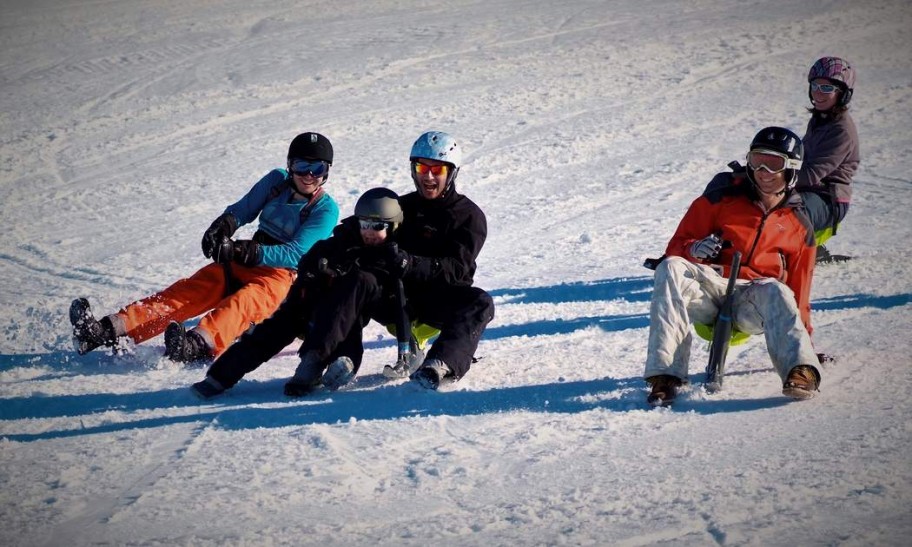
{"type": "Point", "coordinates": [299, 390]}
{"type": "Point", "coordinates": [659, 402]}
{"type": "Point", "coordinates": [80, 312]}
{"type": "Point", "coordinates": [798, 393]}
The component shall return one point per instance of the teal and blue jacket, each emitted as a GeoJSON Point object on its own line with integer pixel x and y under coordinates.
{"type": "Point", "coordinates": [290, 226]}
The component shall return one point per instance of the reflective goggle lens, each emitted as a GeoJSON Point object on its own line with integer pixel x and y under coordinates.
{"type": "Point", "coordinates": [423, 169]}
{"type": "Point", "coordinates": [306, 168]}
{"type": "Point", "coordinates": [372, 225]}
{"type": "Point", "coordinates": [823, 88]}
{"type": "Point", "coordinates": [774, 163]}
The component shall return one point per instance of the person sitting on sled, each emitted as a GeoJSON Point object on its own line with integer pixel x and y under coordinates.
{"type": "Point", "coordinates": [247, 279]}
{"type": "Point", "coordinates": [762, 217]}
{"type": "Point", "coordinates": [831, 151]}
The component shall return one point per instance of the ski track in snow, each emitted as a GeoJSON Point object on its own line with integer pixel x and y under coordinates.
{"type": "Point", "coordinates": [588, 128]}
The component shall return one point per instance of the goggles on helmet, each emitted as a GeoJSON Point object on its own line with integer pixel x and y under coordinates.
{"type": "Point", "coordinates": [824, 88]}
{"type": "Point", "coordinates": [373, 225]}
{"type": "Point", "coordinates": [423, 169]}
{"type": "Point", "coordinates": [308, 168]}
{"type": "Point", "coordinates": [773, 162]}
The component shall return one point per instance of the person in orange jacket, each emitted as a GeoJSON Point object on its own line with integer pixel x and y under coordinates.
{"type": "Point", "coordinates": [247, 279]}
{"type": "Point", "coordinates": [763, 217]}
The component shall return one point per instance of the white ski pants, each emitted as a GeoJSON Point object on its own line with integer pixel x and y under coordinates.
{"type": "Point", "coordinates": [685, 292]}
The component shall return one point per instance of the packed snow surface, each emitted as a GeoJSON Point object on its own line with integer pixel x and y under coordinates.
{"type": "Point", "coordinates": [127, 126]}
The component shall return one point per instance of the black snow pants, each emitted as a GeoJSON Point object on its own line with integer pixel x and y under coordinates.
{"type": "Point", "coordinates": [461, 313]}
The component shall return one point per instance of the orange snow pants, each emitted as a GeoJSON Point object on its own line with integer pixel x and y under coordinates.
{"type": "Point", "coordinates": [262, 289]}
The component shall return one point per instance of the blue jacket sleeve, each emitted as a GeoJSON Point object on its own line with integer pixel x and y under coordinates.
{"type": "Point", "coordinates": [249, 206]}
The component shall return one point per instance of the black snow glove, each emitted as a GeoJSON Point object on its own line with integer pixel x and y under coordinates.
{"type": "Point", "coordinates": [223, 253]}
{"type": "Point", "coordinates": [246, 252]}
{"type": "Point", "coordinates": [222, 228]}
{"type": "Point", "coordinates": [394, 261]}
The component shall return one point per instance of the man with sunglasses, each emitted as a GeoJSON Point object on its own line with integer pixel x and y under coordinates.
{"type": "Point", "coordinates": [762, 217]}
{"type": "Point", "coordinates": [831, 148]}
{"type": "Point", "coordinates": [441, 237]}
{"type": "Point", "coordinates": [247, 279]}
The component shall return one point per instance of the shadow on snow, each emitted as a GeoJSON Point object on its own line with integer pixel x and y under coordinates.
{"type": "Point", "coordinates": [372, 399]}
{"type": "Point", "coordinates": [388, 402]}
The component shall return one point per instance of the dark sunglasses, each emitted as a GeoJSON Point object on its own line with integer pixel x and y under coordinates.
{"type": "Point", "coordinates": [307, 168]}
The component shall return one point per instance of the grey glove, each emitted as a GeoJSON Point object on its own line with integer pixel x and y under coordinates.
{"type": "Point", "coordinates": [706, 248]}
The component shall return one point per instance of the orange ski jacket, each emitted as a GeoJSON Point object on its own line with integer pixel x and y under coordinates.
{"type": "Point", "coordinates": [778, 243]}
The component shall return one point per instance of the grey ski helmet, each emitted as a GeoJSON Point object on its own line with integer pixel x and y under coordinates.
{"type": "Point", "coordinates": [440, 146]}
{"type": "Point", "coordinates": [380, 204]}
{"type": "Point", "coordinates": [783, 142]}
{"type": "Point", "coordinates": [836, 70]}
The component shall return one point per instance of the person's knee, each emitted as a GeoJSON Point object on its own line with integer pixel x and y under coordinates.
{"type": "Point", "coordinates": [772, 298]}
{"type": "Point", "coordinates": [485, 304]}
{"type": "Point", "coordinates": [673, 267]}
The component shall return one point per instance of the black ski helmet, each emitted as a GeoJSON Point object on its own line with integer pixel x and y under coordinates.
{"type": "Point", "coordinates": [380, 204]}
{"type": "Point", "coordinates": [311, 146]}
{"type": "Point", "coordinates": [779, 140]}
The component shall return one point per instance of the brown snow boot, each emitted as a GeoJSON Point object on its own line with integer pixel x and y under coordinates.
{"type": "Point", "coordinates": [802, 382]}
{"type": "Point", "coordinates": [664, 389]}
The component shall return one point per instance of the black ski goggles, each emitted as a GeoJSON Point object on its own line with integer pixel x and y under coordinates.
{"type": "Point", "coordinates": [308, 168]}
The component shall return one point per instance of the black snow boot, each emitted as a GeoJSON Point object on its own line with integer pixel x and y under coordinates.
{"type": "Point", "coordinates": [185, 347]}
{"type": "Point", "coordinates": [208, 388]}
{"type": "Point", "coordinates": [308, 376]}
{"type": "Point", "coordinates": [88, 332]}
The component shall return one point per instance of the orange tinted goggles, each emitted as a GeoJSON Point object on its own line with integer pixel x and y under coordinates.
{"type": "Point", "coordinates": [423, 169]}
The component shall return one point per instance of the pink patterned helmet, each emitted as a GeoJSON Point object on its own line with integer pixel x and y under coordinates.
{"type": "Point", "coordinates": [839, 72]}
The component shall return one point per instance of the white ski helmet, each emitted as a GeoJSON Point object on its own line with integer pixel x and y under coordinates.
{"type": "Point", "coordinates": [437, 145]}
{"type": "Point", "coordinates": [440, 146]}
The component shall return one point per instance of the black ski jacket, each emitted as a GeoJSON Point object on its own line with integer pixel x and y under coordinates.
{"type": "Point", "coordinates": [444, 237]}
{"type": "Point", "coordinates": [342, 252]}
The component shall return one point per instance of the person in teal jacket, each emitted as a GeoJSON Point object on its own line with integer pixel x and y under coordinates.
{"type": "Point", "coordinates": [247, 279]}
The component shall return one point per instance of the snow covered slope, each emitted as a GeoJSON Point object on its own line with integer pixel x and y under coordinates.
{"type": "Point", "coordinates": [127, 126]}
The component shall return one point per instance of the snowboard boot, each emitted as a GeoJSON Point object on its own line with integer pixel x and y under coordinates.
{"type": "Point", "coordinates": [338, 373]}
{"type": "Point", "coordinates": [207, 389]}
{"type": "Point", "coordinates": [185, 347]}
{"type": "Point", "coordinates": [664, 389]}
{"type": "Point", "coordinates": [431, 373]}
{"type": "Point", "coordinates": [88, 332]}
{"type": "Point", "coordinates": [404, 369]}
{"type": "Point", "coordinates": [307, 377]}
{"type": "Point", "coordinates": [802, 382]}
